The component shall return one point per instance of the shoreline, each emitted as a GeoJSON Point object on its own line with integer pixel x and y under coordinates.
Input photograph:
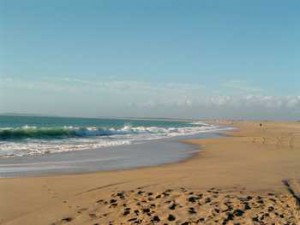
{"type": "Point", "coordinates": [192, 154]}
{"type": "Point", "coordinates": [150, 153]}
{"type": "Point", "coordinates": [185, 152]}
{"type": "Point", "coordinates": [251, 160]}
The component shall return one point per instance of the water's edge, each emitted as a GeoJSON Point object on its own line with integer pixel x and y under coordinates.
{"type": "Point", "coordinates": [148, 154]}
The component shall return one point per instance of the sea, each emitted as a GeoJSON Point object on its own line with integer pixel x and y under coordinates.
{"type": "Point", "coordinates": [42, 145]}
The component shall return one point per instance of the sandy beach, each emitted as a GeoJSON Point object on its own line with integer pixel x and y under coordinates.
{"type": "Point", "coordinates": [251, 175]}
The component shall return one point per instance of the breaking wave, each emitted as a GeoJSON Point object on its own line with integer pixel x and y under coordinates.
{"type": "Point", "coordinates": [77, 132]}
{"type": "Point", "coordinates": [32, 140]}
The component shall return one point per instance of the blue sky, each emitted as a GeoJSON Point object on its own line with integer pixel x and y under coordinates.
{"type": "Point", "coordinates": [221, 59]}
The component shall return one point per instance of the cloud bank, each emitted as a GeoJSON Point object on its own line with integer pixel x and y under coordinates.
{"type": "Point", "coordinates": [92, 98]}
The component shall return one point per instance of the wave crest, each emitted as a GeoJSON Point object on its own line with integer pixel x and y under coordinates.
{"type": "Point", "coordinates": [31, 140]}
{"type": "Point", "coordinates": [24, 132]}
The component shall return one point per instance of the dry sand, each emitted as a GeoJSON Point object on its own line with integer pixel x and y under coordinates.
{"type": "Point", "coordinates": [249, 176]}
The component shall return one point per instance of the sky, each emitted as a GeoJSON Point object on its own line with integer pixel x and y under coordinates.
{"type": "Point", "coordinates": [161, 58]}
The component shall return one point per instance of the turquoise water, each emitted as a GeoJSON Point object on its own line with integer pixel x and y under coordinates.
{"type": "Point", "coordinates": [15, 127]}
{"type": "Point", "coordinates": [28, 135]}
{"type": "Point", "coordinates": [19, 121]}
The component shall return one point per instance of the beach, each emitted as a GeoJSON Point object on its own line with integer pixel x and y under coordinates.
{"type": "Point", "coordinates": [250, 175]}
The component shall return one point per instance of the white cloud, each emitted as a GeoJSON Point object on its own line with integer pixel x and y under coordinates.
{"type": "Point", "coordinates": [136, 98]}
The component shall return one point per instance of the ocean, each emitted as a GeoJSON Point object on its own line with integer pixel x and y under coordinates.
{"type": "Point", "coordinates": [27, 135]}
{"type": "Point", "coordinates": [38, 146]}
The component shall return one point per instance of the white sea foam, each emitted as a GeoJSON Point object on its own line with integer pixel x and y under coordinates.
{"type": "Point", "coordinates": [91, 137]}
{"type": "Point", "coordinates": [199, 123]}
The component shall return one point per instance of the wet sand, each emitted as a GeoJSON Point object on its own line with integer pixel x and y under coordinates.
{"type": "Point", "coordinates": [249, 176]}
